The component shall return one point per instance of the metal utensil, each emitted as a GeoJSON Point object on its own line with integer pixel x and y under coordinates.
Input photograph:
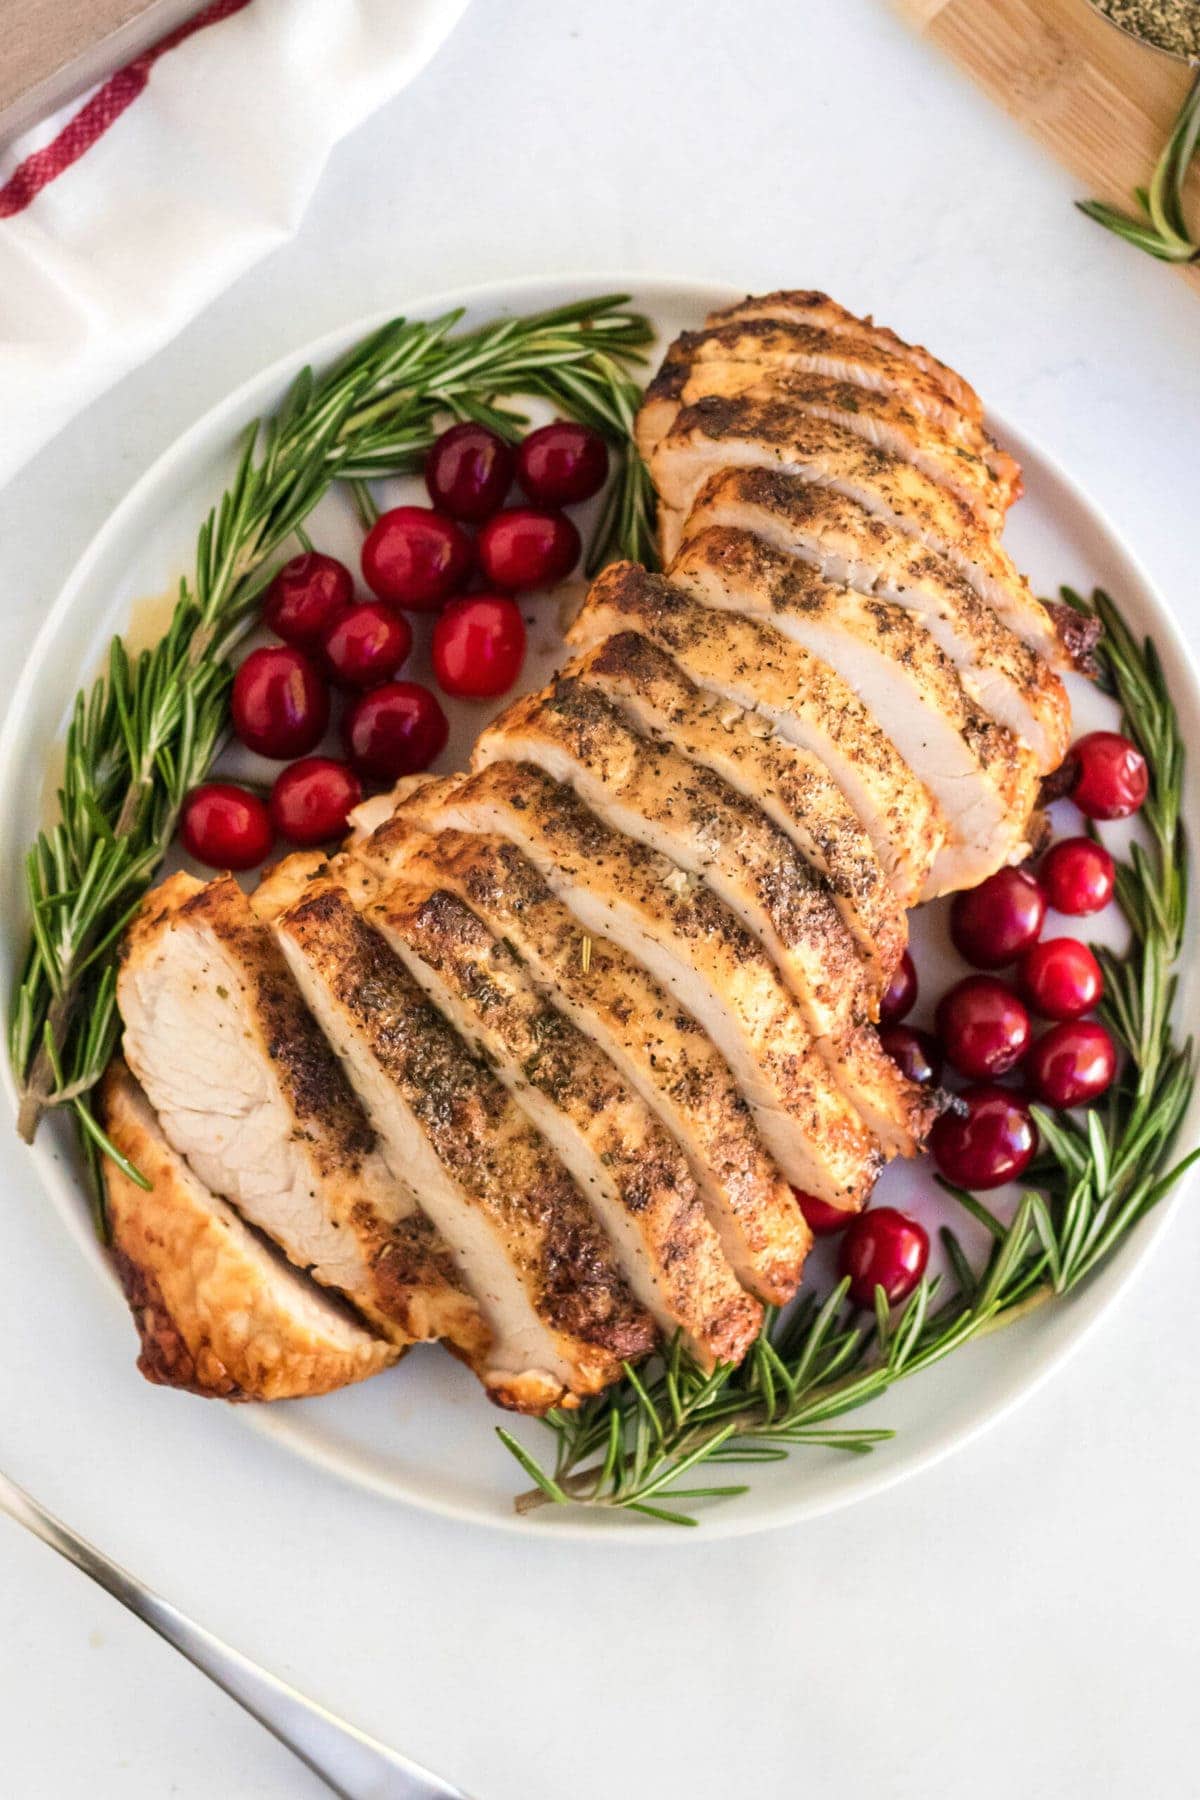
{"type": "Point", "coordinates": [347, 1761]}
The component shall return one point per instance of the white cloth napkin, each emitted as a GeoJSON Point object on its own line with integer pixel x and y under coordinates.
{"type": "Point", "coordinates": [203, 173]}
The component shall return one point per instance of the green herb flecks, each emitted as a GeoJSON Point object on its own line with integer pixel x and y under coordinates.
{"type": "Point", "coordinates": [651, 1445]}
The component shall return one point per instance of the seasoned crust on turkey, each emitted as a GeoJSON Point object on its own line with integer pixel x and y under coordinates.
{"type": "Point", "coordinates": [561, 1316]}
{"type": "Point", "coordinates": [246, 1087]}
{"type": "Point", "coordinates": [1006, 679]}
{"type": "Point", "coordinates": [656, 1044]}
{"type": "Point", "coordinates": [858, 354]}
{"type": "Point", "coordinates": [218, 1312]}
{"type": "Point", "coordinates": [984, 780]}
{"type": "Point", "coordinates": [885, 420]}
{"type": "Point", "coordinates": [769, 433]}
{"type": "Point", "coordinates": [808, 306]}
{"type": "Point", "coordinates": [740, 660]}
{"type": "Point", "coordinates": [632, 1173]}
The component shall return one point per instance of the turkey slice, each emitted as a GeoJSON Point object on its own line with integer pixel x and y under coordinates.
{"type": "Point", "coordinates": [630, 1170]}
{"type": "Point", "coordinates": [806, 306]}
{"type": "Point", "coordinates": [217, 1312]}
{"type": "Point", "coordinates": [692, 944]}
{"type": "Point", "coordinates": [884, 420]}
{"type": "Point", "coordinates": [769, 433]}
{"type": "Point", "coordinates": [561, 1317]}
{"type": "Point", "coordinates": [1006, 680]}
{"type": "Point", "coordinates": [651, 792]}
{"type": "Point", "coordinates": [754, 666]}
{"type": "Point", "coordinates": [658, 1047]}
{"type": "Point", "coordinates": [247, 1089]}
{"type": "Point", "coordinates": [792, 786]}
{"type": "Point", "coordinates": [984, 781]}
{"type": "Point", "coordinates": [812, 349]}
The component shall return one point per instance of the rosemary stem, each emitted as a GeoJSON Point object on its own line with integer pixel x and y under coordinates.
{"type": "Point", "coordinates": [149, 730]}
{"type": "Point", "coordinates": [1099, 1173]}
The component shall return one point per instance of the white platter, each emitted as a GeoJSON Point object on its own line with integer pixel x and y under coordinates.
{"type": "Point", "coordinates": [423, 1434]}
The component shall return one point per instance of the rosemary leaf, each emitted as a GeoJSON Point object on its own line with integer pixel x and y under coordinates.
{"type": "Point", "coordinates": [1162, 230]}
{"type": "Point", "coordinates": [148, 730]}
{"type": "Point", "coordinates": [1098, 1175]}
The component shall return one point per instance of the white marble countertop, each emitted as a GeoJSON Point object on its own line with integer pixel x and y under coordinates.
{"type": "Point", "coordinates": [1021, 1619]}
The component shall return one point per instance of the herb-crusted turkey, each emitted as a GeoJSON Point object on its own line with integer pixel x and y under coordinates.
{"type": "Point", "coordinates": [585, 1016]}
{"type": "Point", "coordinates": [660, 1048]}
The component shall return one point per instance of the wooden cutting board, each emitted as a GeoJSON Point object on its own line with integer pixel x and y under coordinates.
{"type": "Point", "coordinates": [1103, 104]}
{"type": "Point", "coordinates": [51, 51]}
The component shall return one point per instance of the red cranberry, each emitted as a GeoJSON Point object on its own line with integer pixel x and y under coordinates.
{"type": "Point", "coordinates": [983, 1027]}
{"type": "Point", "coordinates": [1072, 1064]}
{"type": "Point", "coordinates": [562, 464]}
{"type": "Point", "coordinates": [991, 1143]}
{"type": "Point", "coordinates": [225, 826]}
{"type": "Point", "coordinates": [883, 1248]}
{"type": "Point", "coordinates": [311, 798]}
{"type": "Point", "coordinates": [1078, 876]}
{"type": "Point", "coordinates": [468, 472]}
{"type": "Point", "coordinates": [1111, 777]}
{"type": "Point", "coordinates": [993, 923]}
{"type": "Point", "coordinates": [528, 547]}
{"type": "Point", "coordinates": [367, 644]}
{"type": "Point", "coordinates": [394, 730]}
{"type": "Point", "coordinates": [305, 598]}
{"type": "Point", "coordinates": [900, 995]}
{"type": "Point", "coordinates": [823, 1219]}
{"type": "Point", "coordinates": [914, 1052]}
{"type": "Point", "coordinates": [479, 646]}
{"type": "Point", "coordinates": [1061, 979]}
{"type": "Point", "coordinates": [415, 557]}
{"type": "Point", "coordinates": [280, 702]}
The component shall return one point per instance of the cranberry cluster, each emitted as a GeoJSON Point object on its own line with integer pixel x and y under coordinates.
{"type": "Point", "coordinates": [415, 559]}
{"type": "Point", "coordinates": [984, 1024]}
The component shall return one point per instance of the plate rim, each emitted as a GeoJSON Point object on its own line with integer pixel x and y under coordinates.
{"type": "Point", "coordinates": [872, 1476]}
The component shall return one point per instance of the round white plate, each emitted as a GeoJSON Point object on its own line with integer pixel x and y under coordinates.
{"type": "Point", "coordinates": [423, 1433]}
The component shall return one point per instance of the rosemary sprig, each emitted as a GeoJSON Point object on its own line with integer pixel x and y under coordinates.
{"type": "Point", "coordinates": [149, 729]}
{"type": "Point", "coordinates": [640, 1447]}
{"type": "Point", "coordinates": [1162, 230]}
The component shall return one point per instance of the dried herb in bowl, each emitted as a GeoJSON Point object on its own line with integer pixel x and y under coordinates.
{"type": "Point", "coordinates": [1170, 25]}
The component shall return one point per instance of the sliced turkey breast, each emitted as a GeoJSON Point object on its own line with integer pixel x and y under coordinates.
{"type": "Point", "coordinates": [689, 816]}
{"type": "Point", "coordinates": [816, 350]}
{"type": "Point", "coordinates": [754, 666]}
{"type": "Point", "coordinates": [1006, 679]}
{"type": "Point", "coordinates": [217, 1312]}
{"type": "Point", "coordinates": [805, 306]}
{"type": "Point", "coordinates": [683, 812]}
{"type": "Point", "coordinates": [653, 794]}
{"type": "Point", "coordinates": [631, 1171]}
{"type": "Point", "coordinates": [886, 421]}
{"type": "Point", "coordinates": [792, 787]}
{"type": "Point", "coordinates": [247, 1089]}
{"type": "Point", "coordinates": [693, 945]}
{"type": "Point", "coordinates": [748, 432]}
{"type": "Point", "coordinates": [284, 883]}
{"type": "Point", "coordinates": [658, 1047]}
{"type": "Point", "coordinates": [984, 781]}
{"type": "Point", "coordinates": [526, 1245]}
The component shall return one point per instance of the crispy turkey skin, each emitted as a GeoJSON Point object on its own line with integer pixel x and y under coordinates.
{"type": "Point", "coordinates": [217, 1312]}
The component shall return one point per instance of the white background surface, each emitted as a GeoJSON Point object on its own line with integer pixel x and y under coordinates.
{"type": "Point", "coordinates": [1022, 1619]}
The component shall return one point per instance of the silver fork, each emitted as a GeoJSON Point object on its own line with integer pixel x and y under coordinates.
{"type": "Point", "coordinates": [353, 1765]}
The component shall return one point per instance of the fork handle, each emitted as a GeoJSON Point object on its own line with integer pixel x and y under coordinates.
{"type": "Point", "coordinates": [350, 1763]}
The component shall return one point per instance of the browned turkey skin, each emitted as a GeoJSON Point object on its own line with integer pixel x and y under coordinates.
{"type": "Point", "coordinates": [535, 1065]}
